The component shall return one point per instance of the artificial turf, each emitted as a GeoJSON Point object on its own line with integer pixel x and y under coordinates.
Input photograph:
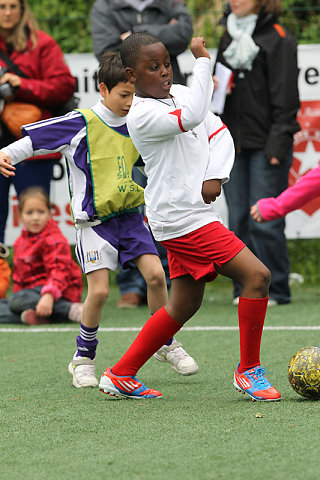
{"type": "Point", "coordinates": [201, 429]}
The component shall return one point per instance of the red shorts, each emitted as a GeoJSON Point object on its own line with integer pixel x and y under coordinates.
{"type": "Point", "coordinates": [199, 253]}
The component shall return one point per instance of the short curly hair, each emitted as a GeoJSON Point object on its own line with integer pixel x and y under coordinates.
{"type": "Point", "coordinates": [131, 46]}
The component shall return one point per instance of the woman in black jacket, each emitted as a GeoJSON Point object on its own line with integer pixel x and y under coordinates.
{"type": "Point", "coordinates": [260, 112]}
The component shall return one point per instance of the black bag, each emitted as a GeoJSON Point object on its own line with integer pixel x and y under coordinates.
{"type": "Point", "coordinates": [70, 105]}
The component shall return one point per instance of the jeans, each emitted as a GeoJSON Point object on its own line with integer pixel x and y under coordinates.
{"type": "Point", "coordinates": [252, 178]}
{"type": "Point", "coordinates": [10, 310]}
{"type": "Point", "coordinates": [27, 174]}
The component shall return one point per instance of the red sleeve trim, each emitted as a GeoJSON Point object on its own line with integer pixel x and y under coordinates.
{"type": "Point", "coordinates": [280, 30]}
{"type": "Point", "coordinates": [215, 133]}
{"type": "Point", "coordinates": [177, 113]}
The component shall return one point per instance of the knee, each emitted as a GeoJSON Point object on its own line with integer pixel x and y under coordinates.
{"type": "Point", "coordinates": [261, 280]}
{"type": "Point", "coordinates": [99, 295]}
{"type": "Point", "coordinates": [182, 312]}
{"type": "Point", "coordinates": [16, 303]}
{"type": "Point", "coordinates": [156, 279]}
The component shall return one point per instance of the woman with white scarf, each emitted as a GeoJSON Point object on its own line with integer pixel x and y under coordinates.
{"type": "Point", "coordinates": [260, 112]}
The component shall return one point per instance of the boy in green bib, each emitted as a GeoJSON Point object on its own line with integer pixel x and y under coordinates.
{"type": "Point", "coordinates": [104, 204]}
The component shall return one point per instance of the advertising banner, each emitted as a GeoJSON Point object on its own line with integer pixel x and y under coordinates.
{"type": "Point", "coordinates": [304, 223]}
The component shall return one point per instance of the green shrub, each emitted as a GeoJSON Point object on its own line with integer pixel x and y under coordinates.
{"type": "Point", "coordinates": [69, 22]}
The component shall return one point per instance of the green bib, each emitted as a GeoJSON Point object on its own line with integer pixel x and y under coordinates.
{"type": "Point", "coordinates": [111, 156]}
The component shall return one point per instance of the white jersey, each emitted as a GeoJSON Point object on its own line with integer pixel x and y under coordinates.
{"type": "Point", "coordinates": [182, 144]}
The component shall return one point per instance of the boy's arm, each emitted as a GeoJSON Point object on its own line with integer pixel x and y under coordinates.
{"type": "Point", "coordinates": [221, 149]}
{"type": "Point", "coordinates": [221, 158]}
{"type": "Point", "coordinates": [306, 189]}
{"type": "Point", "coordinates": [13, 154]}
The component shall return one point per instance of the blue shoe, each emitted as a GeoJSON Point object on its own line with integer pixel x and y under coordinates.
{"type": "Point", "coordinates": [130, 387]}
{"type": "Point", "coordinates": [255, 384]}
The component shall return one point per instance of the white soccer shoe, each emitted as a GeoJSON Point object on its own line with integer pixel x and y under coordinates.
{"type": "Point", "coordinates": [83, 371]}
{"type": "Point", "coordinates": [178, 358]}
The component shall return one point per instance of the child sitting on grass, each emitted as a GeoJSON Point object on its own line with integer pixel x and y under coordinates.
{"type": "Point", "coordinates": [47, 283]}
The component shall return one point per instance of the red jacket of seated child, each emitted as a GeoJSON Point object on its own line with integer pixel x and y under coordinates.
{"type": "Point", "coordinates": [45, 259]}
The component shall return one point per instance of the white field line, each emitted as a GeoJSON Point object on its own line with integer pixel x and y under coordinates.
{"type": "Point", "coordinates": [137, 329]}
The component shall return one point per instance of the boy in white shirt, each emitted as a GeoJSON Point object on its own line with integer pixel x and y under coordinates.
{"type": "Point", "coordinates": [188, 153]}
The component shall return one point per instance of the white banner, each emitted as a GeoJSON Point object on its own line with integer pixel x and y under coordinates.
{"type": "Point", "coordinates": [302, 223]}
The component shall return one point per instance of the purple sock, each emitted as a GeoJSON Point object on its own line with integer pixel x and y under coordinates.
{"type": "Point", "coordinates": [87, 342]}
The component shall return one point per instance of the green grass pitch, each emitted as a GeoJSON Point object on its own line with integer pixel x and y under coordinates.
{"type": "Point", "coordinates": [201, 429]}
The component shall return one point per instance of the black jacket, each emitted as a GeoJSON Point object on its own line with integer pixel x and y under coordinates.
{"type": "Point", "coordinates": [261, 110]}
{"type": "Point", "coordinates": [111, 18]}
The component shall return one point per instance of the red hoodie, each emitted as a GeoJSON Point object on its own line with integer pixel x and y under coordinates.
{"type": "Point", "coordinates": [45, 259]}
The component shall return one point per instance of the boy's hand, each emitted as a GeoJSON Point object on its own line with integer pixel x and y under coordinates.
{"type": "Point", "coordinates": [198, 47]}
{"type": "Point", "coordinates": [211, 189]}
{"type": "Point", "coordinates": [6, 169]}
{"type": "Point", "coordinates": [45, 305]}
{"type": "Point", "coordinates": [255, 213]}
{"type": "Point", "coordinates": [274, 161]}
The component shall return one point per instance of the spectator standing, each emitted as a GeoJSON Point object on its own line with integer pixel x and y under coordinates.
{"type": "Point", "coordinates": [260, 112]}
{"type": "Point", "coordinates": [35, 70]}
{"type": "Point", "coordinates": [111, 22]}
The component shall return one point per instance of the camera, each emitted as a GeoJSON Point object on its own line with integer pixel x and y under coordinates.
{"type": "Point", "coordinates": [6, 91]}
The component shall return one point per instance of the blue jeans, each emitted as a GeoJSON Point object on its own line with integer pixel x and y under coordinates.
{"type": "Point", "coordinates": [10, 310]}
{"type": "Point", "coordinates": [27, 174]}
{"type": "Point", "coordinates": [252, 178]}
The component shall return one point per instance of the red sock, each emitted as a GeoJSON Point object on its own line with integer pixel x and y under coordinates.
{"type": "Point", "coordinates": [252, 312]}
{"type": "Point", "coordinates": [155, 333]}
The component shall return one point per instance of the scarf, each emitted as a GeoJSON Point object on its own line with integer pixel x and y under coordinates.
{"type": "Point", "coordinates": [139, 5]}
{"type": "Point", "coordinates": [242, 50]}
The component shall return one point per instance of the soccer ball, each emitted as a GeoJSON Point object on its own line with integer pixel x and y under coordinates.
{"type": "Point", "coordinates": [304, 372]}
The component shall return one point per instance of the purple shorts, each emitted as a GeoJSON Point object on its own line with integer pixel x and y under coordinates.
{"type": "Point", "coordinates": [118, 240]}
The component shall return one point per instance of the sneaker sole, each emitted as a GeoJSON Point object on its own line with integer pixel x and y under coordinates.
{"type": "Point", "coordinates": [74, 381]}
{"type": "Point", "coordinates": [254, 399]}
{"type": "Point", "coordinates": [110, 389]}
{"type": "Point", "coordinates": [185, 374]}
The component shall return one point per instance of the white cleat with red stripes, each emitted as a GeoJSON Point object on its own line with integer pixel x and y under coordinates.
{"type": "Point", "coordinates": [125, 386]}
